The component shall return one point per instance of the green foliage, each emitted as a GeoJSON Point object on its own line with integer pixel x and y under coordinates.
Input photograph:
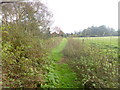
{"type": "Point", "coordinates": [58, 74]}
{"type": "Point", "coordinates": [22, 66]}
{"type": "Point", "coordinates": [52, 42]}
{"type": "Point", "coordinates": [23, 44]}
{"type": "Point", "coordinates": [29, 60]}
{"type": "Point", "coordinates": [97, 32]}
{"type": "Point", "coordinates": [92, 63]}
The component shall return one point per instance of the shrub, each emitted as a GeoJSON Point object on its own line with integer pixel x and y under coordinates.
{"type": "Point", "coordinates": [22, 61]}
{"type": "Point", "coordinates": [91, 64]}
{"type": "Point", "coordinates": [23, 43]}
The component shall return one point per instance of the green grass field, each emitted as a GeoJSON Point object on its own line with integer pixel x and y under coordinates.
{"type": "Point", "coordinates": [107, 44]}
{"type": "Point", "coordinates": [113, 40]}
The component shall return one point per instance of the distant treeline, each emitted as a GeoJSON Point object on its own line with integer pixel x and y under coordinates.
{"type": "Point", "coordinates": [95, 31]}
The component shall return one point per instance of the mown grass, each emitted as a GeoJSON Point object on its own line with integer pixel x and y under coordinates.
{"type": "Point", "coordinates": [56, 52]}
{"type": "Point", "coordinates": [102, 41]}
{"type": "Point", "coordinates": [93, 66]}
{"type": "Point", "coordinates": [59, 75]}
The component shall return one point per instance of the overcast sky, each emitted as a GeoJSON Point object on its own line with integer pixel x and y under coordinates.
{"type": "Point", "coordinates": [73, 15]}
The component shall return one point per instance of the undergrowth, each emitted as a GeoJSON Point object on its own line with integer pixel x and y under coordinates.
{"type": "Point", "coordinates": [91, 64]}
{"type": "Point", "coordinates": [23, 58]}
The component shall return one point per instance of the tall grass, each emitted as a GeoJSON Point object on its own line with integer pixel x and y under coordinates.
{"type": "Point", "coordinates": [91, 64]}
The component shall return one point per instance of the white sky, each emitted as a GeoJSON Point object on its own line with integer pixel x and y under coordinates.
{"type": "Point", "coordinates": [74, 15]}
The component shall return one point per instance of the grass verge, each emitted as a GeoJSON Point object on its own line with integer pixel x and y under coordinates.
{"type": "Point", "coordinates": [59, 75]}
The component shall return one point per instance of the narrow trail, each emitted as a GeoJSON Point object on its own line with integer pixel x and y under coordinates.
{"type": "Point", "coordinates": [60, 75]}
